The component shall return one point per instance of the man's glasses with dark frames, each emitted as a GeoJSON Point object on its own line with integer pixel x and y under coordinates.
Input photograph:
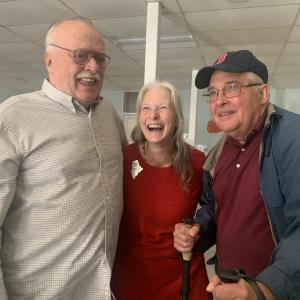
{"type": "Point", "coordinates": [229, 90]}
{"type": "Point", "coordinates": [83, 56]}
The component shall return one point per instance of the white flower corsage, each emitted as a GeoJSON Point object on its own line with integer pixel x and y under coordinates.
{"type": "Point", "coordinates": [135, 169]}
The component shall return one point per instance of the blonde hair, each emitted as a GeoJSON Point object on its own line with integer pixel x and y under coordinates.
{"type": "Point", "coordinates": [181, 151]}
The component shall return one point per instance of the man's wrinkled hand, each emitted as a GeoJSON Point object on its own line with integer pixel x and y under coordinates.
{"type": "Point", "coordinates": [230, 291]}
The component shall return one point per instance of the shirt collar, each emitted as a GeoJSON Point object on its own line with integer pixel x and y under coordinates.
{"type": "Point", "coordinates": [67, 101]}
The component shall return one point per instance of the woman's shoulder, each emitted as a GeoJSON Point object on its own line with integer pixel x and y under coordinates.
{"type": "Point", "coordinates": [130, 147]}
{"type": "Point", "coordinates": [130, 150]}
{"type": "Point", "coordinates": [198, 157]}
{"type": "Point", "coordinates": [197, 153]}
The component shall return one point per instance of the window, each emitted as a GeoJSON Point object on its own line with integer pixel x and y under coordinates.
{"type": "Point", "coordinates": [129, 102]}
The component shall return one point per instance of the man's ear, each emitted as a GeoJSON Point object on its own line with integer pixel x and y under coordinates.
{"type": "Point", "coordinates": [47, 58]}
{"type": "Point", "coordinates": [265, 94]}
{"type": "Point", "coordinates": [48, 62]}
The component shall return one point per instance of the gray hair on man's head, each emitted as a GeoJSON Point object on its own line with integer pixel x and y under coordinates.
{"type": "Point", "coordinates": [254, 78]}
{"type": "Point", "coordinates": [53, 26]}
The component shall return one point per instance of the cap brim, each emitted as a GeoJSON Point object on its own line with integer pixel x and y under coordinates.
{"type": "Point", "coordinates": [202, 79]}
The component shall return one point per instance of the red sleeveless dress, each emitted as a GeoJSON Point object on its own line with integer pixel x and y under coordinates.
{"type": "Point", "coordinates": [147, 266]}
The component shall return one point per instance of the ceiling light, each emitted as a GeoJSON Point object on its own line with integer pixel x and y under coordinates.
{"type": "Point", "coordinates": [129, 41]}
{"type": "Point", "coordinates": [237, 1]}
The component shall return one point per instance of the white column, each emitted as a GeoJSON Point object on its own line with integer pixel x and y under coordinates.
{"type": "Point", "coordinates": [152, 40]}
{"type": "Point", "coordinates": [193, 110]}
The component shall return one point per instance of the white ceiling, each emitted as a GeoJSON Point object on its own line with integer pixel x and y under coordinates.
{"type": "Point", "coordinates": [269, 28]}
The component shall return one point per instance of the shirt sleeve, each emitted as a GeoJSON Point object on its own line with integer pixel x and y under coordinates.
{"type": "Point", "coordinates": [8, 177]}
{"type": "Point", "coordinates": [123, 136]}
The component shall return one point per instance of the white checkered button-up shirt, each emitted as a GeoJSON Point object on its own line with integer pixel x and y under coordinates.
{"type": "Point", "coordinates": [60, 196]}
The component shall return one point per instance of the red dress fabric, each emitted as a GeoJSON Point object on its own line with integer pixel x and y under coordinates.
{"type": "Point", "coordinates": [147, 266]}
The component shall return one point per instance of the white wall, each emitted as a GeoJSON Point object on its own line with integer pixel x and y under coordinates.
{"type": "Point", "coordinates": [288, 99]}
{"type": "Point", "coordinates": [116, 98]}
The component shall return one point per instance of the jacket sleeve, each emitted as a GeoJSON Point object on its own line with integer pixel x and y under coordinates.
{"type": "Point", "coordinates": [205, 215]}
{"type": "Point", "coordinates": [8, 177]}
{"type": "Point", "coordinates": [280, 185]}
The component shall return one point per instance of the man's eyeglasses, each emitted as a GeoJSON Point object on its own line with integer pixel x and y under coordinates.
{"type": "Point", "coordinates": [83, 56]}
{"type": "Point", "coordinates": [229, 90]}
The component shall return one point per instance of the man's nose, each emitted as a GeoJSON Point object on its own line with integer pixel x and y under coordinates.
{"type": "Point", "coordinates": [93, 66]}
{"type": "Point", "coordinates": [221, 99]}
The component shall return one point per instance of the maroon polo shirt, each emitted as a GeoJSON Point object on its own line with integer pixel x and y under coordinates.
{"type": "Point", "coordinates": [244, 239]}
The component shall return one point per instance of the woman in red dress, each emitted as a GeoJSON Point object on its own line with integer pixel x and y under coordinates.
{"type": "Point", "coordinates": [162, 183]}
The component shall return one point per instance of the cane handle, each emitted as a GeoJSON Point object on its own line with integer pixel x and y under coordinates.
{"type": "Point", "coordinates": [187, 255]}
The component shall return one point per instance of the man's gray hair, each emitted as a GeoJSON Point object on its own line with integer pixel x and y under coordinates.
{"type": "Point", "coordinates": [53, 26]}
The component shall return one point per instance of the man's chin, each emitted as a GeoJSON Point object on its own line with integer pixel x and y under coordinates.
{"type": "Point", "coordinates": [227, 129]}
{"type": "Point", "coordinates": [225, 125]}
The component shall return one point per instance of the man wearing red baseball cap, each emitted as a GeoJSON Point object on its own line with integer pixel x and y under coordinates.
{"type": "Point", "coordinates": [250, 206]}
